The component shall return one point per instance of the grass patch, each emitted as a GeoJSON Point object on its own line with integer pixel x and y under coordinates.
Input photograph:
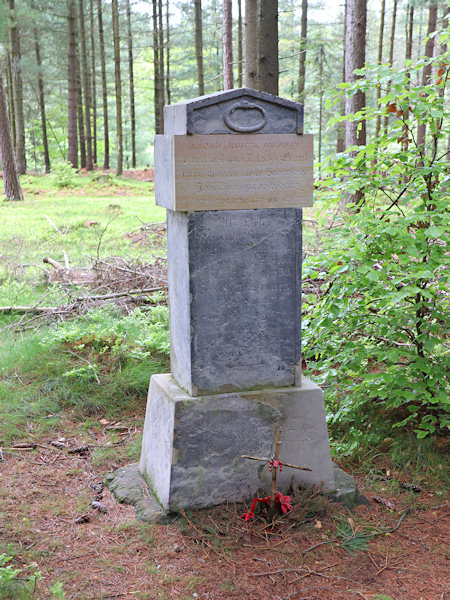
{"type": "Point", "coordinates": [99, 364]}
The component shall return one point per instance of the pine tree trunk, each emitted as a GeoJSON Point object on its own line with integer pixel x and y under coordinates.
{"type": "Point", "coordinates": [199, 46]}
{"type": "Point", "coordinates": [116, 34]}
{"type": "Point", "coordinates": [251, 44]}
{"type": "Point", "coordinates": [391, 51]}
{"type": "Point", "coordinates": [158, 85]}
{"type": "Point", "coordinates": [131, 80]}
{"type": "Point", "coordinates": [94, 82]}
{"type": "Point", "coordinates": [81, 119]}
{"type": "Point", "coordinates": [380, 60]}
{"type": "Point", "coordinates": [104, 86]}
{"type": "Point", "coordinates": [321, 93]}
{"type": "Point", "coordinates": [268, 69]}
{"type": "Point", "coordinates": [11, 183]}
{"type": "Point", "coordinates": [340, 141]}
{"type": "Point", "coordinates": [302, 59]}
{"type": "Point", "coordinates": [10, 87]}
{"type": "Point", "coordinates": [72, 133]}
{"type": "Point", "coordinates": [18, 89]}
{"type": "Point", "coordinates": [167, 52]}
{"type": "Point", "coordinates": [161, 61]}
{"type": "Point", "coordinates": [355, 55]}
{"type": "Point", "coordinates": [41, 100]}
{"type": "Point", "coordinates": [240, 40]}
{"type": "Point", "coordinates": [86, 88]}
{"type": "Point", "coordinates": [409, 32]}
{"type": "Point", "coordinates": [227, 45]}
{"type": "Point", "coordinates": [426, 73]}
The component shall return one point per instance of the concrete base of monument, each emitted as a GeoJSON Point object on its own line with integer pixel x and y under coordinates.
{"type": "Point", "coordinates": [192, 446]}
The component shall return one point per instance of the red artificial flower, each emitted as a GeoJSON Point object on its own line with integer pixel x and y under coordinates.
{"type": "Point", "coordinates": [284, 502]}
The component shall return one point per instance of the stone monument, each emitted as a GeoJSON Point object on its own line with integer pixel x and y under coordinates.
{"type": "Point", "coordinates": [233, 170]}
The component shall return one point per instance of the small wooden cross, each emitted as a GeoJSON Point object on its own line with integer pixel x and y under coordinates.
{"type": "Point", "coordinates": [274, 464]}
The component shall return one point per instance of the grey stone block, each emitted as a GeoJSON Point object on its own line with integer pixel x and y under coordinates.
{"type": "Point", "coordinates": [129, 487]}
{"type": "Point", "coordinates": [235, 289]}
{"type": "Point", "coordinates": [234, 111]}
{"type": "Point", "coordinates": [192, 447]}
{"type": "Point", "coordinates": [346, 490]}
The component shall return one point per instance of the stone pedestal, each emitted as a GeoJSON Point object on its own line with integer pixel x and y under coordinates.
{"type": "Point", "coordinates": [192, 446]}
{"type": "Point", "coordinates": [233, 170]}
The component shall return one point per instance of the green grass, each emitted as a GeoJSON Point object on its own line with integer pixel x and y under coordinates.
{"type": "Point", "coordinates": [26, 236]}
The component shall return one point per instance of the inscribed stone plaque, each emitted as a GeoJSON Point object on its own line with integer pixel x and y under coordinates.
{"type": "Point", "coordinates": [223, 172]}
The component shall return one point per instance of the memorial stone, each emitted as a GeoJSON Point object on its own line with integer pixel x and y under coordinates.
{"type": "Point", "coordinates": [233, 170]}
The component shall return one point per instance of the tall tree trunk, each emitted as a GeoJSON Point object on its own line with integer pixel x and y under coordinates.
{"type": "Point", "coordinates": [199, 46]}
{"type": "Point", "coordinates": [161, 59]}
{"type": "Point", "coordinates": [168, 52]}
{"type": "Point", "coordinates": [227, 45]}
{"type": "Point", "coordinates": [9, 79]}
{"type": "Point", "coordinates": [340, 141]}
{"type": "Point", "coordinates": [11, 183]}
{"type": "Point", "coordinates": [72, 78]}
{"type": "Point", "coordinates": [408, 56]}
{"type": "Point", "coordinates": [391, 50]}
{"type": "Point", "coordinates": [426, 73]}
{"type": "Point", "coordinates": [251, 44]}
{"type": "Point", "coordinates": [41, 100]}
{"type": "Point", "coordinates": [159, 82]}
{"type": "Point", "coordinates": [94, 82]}
{"type": "Point", "coordinates": [240, 41]}
{"type": "Point", "coordinates": [116, 34]}
{"type": "Point", "coordinates": [268, 69]}
{"type": "Point", "coordinates": [380, 60]}
{"type": "Point", "coordinates": [321, 92]}
{"type": "Point", "coordinates": [131, 80]}
{"type": "Point", "coordinates": [86, 88]}
{"type": "Point", "coordinates": [355, 56]}
{"type": "Point", "coordinates": [302, 59]}
{"type": "Point", "coordinates": [81, 119]}
{"type": "Point", "coordinates": [18, 89]}
{"type": "Point", "coordinates": [104, 86]}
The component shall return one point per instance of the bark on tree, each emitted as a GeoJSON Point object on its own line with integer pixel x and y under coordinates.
{"type": "Point", "coordinates": [240, 42]}
{"type": "Point", "coordinates": [11, 183]}
{"type": "Point", "coordinates": [199, 46]}
{"type": "Point", "coordinates": [161, 59]}
{"type": "Point", "coordinates": [167, 52]}
{"type": "Point", "coordinates": [131, 82]}
{"type": "Point", "coordinates": [391, 50]}
{"type": "Point", "coordinates": [158, 71]}
{"type": "Point", "coordinates": [94, 82]}
{"type": "Point", "coordinates": [321, 94]}
{"type": "Point", "coordinates": [227, 45]}
{"type": "Point", "coordinates": [80, 119]}
{"type": "Point", "coordinates": [268, 69]}
{"type": "Point", "coordinates": [251, 44]}
{"type": "Point", "coordinates": [380, 60]}
{"type": "Point", "coordinates": [340, 141]}
{"type": "Point", "coordinates": [37, 51]}
{"type": "Point", "coordinates": [355, 55]}
{"type": "Point", "coordinates": [409, 32]}
{"type": "Point", "coordinates": [72, 133]}
{"type": "Point", "coordinates": [426, 72]}
{"type": "Point", "coordinates": [86, 88]}
{"type": "Point", "coordinates": [18, 89]}
{"type": "Point", "coordinates": [10, 88]}
{"type": "Point", "coordinates": [302, 59]}
{"type": "Point", "coordinates": [116, 34]}
{"type": "Point", "coordinates": [104, 85]}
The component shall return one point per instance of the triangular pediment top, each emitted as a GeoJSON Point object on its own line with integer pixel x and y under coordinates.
{"type": "Point", "coordinates": [217, 97]}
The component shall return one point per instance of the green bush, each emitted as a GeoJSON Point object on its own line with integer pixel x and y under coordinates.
{"type": "Point", "coordinates": [63, 174]}
{"type": "Point", "coordinates": [375, 334]}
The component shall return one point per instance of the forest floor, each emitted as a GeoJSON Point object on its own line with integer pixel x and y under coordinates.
{"type": "Point", "coordinates": [318, 551]}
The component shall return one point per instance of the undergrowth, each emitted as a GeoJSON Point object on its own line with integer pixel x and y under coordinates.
{"type": "Point", "coordinates": [99, 364]}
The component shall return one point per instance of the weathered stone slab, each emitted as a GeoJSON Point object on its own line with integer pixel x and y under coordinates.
{"type": "Point", "coordinates": [234, 280]}
{"type": "Point", "coordinates": [192, 446]}
{"type": "Point", "coordinates": [223, 172]}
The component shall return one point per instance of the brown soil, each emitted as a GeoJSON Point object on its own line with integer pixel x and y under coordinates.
{"type": "Point", "coordinates": [209, 554]}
